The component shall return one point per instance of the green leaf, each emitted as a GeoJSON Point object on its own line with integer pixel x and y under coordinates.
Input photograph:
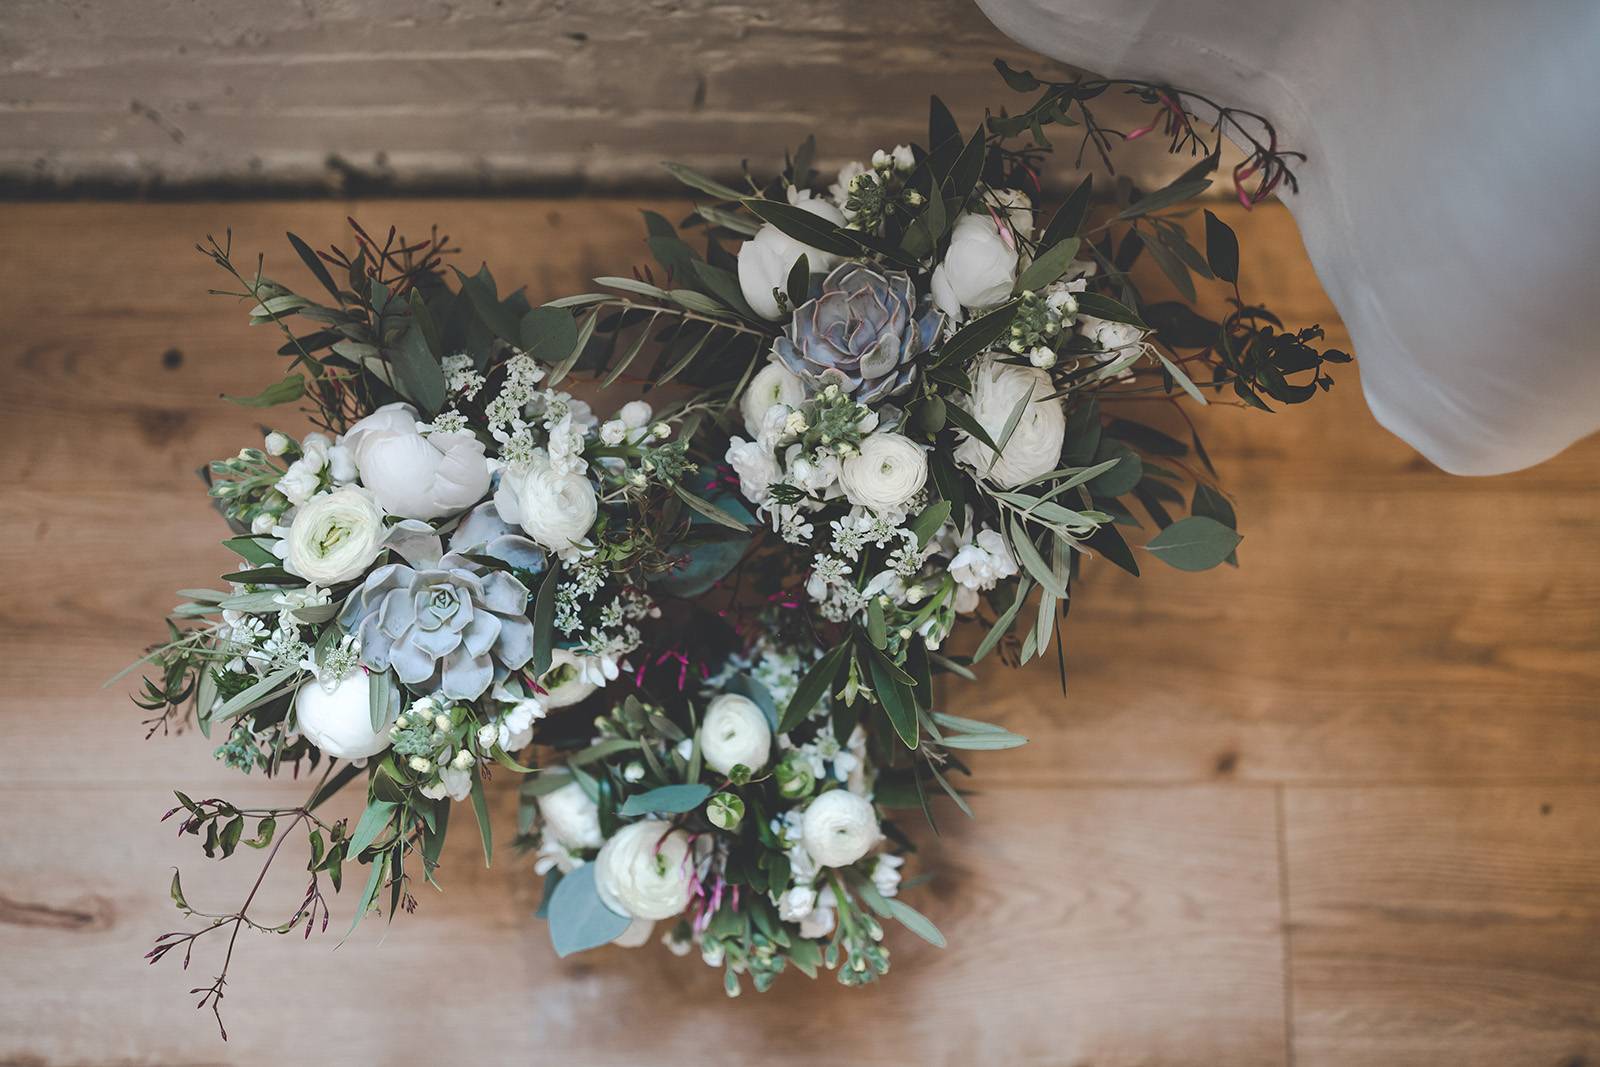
{"type": "Point", "coordinates": [964, 420]}
{"type": "Point", "coordinates": [290, 389]}
{"type": "Point", "coordinates": [548, 334]}
{"type": "Point", "coordinates": [1195, 543]}
{"type": "Point", "coordinates": [895, 697]}
{"type": "Point", "coordinates": [420, 377]}
{"type": "Point", "coordinates": [486, 302]}
{"type": "Point", "coordinates": [1003, 624]}
{"type": "Point", "coordinates": [926, 524]}
{"type": "Point", "coordinates": [1109, 543]}
{"type": "Point", "coordinates": [370, 893]}
{"type": "Point", "coordinates": [798, 285]}
{"type": "Point", "coordinates": [252, 551]}
{"type": "Point", "coordinates": [810, 230]}
{"type": "Point", "coordinates": [668, 800]}
{"type": "Point", "coordinates": [1050, 265]}
{"type": "Point", "coordinates": [1178, 376]}
{"type": "Point", "coordinates": [981, 334]}
{"type": "Point", "coordinates": [1222, 249]}
{"type": "Point", "coordinates": [709, 510]}
{"type": "Point", "coordinates": [1173, 267]}
{"type": "Point", "coordinates": [581, 342]}
{"type": "Point", "coordinates": [313, 264]}
{"type": "Point", "coordinates": [260, 691]}
{"type": "Point", "coordinates": [380, 691]}
{"type": "Point", "coordinates": [915, 921]}
{"type": "Point", "coordinates": [1103, 307]}
{"type": "Point", "coordinates": [1175, 193]}
{"type": "Point", "coordinates": [1213, 505]}
{"type": "Point", "coordinates": [695, 180]}
{"type": "Point", "coordinates": [1023, 545]}
{"type": "Point", "coordinates": [1069, 218]}
{"type": "Point", "coordinates": [373, 822]}
{"type": "Point", "coordinates": [544, 615]}
{"type": "Point", "coordinates": [1121, 478]}
{"type": "Point", "coordinates": [984, 742]}
{"type": "Point", "coordinates": [816, 683]}
{"type": "Point", "coordinates": [480, 809]}
{"type": "Point", "coordinates": [724, 286]}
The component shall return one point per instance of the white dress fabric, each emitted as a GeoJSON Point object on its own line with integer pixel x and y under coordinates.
{"type": "Point", "coordinates": [1451, 202]}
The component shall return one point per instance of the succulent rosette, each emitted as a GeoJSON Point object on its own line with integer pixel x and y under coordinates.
{"type": "Point", "coordinates": [862, 332]}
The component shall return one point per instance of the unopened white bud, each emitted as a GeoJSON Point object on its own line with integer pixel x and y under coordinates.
{"type": "Point", "coordinates": [277, 443]}
{"type": "Point", "coordinates": [441, 721]}
{"type": "Point", "coordinates": [421, 764]}
{"type": "Point", "coordinates": [462, 761]}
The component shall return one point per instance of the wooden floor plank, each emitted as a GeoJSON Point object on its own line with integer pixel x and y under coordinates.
{"type": "Point", "coordinates": [1135, 927]}
{"type": "Point", "coordinates": [1445, 925]}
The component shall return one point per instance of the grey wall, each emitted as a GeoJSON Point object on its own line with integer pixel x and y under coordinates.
{"type": "Point", "coordinates": [224, 96]}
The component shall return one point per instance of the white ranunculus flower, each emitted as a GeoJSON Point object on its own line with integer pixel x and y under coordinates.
{"type": "Point", "coordinates": [571, 817]}
{"type": "Point", "coordinates": [983, 561]}
{"type": "Point", "coordinates": [767, 258]}
{"type": "Point", "coordinates": [335, 536]}
{"type": "Point", "coordinates": [557, 510]}
{"type": "Point", "coordinates": [839, 828]}
{"type": "Point", "coordinates": [755, 465]}
{"type": "Point", "coordinates": [773, 384]}
{"type": "Point", "coordinates": [644, 870]}
{"type": "Point", "coordinates": [413, 475]}
{"type": "Point", "coordinates": [735, 731]}
{"type": "Point", "coordinates": [339, 721]}
{"type": "Point", "coordinates": [637, 933]}
{"type": "Point", "coordinates": [566, 682]}
{"type": "Point", "coordinates": [1035, 445]}
{"type": "Point", "coordinates": [979, 268]}
{"type": "Point", "coordinates": [885, 473]}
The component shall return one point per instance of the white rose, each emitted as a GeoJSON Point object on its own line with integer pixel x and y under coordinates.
{"type": "Point", "coordinates": [1035, 445]}
{"type": "Point", "coordinates": [644, 870]}
{"type": "Point", "coordinates": [839, 828]}
{"type": "Point", "coordinates": [300, 482]}
{"type": "Point", "coordinates": [571, 817]}
{"type": "Point", "coordinates": [1109, 335]}
{"type": "Point", "coordinates": [979, 268]}
{"type": "Point", "coordinates": [755, 465]}
{"type": "Point", "coordinates": [413, 475]}
{"type": "Point", "coordinates": [335, 536]}
{"type": "Point", "coordinates": [566, 682]}
{"type": "Point", "coordinates": [886, 473]}
{"type": "Point", "coordinates": [773, 384]}
{"type": "Point", "coordinates": [339, 722]}
{"type": "Point", "coordinates": [557, 510]}
{"type": "Point", "coordinates": [734, 731]}
{"type": "Point", "coordinates": [767, 258]}
{"type": "Point", "coordinates": [983, 561]}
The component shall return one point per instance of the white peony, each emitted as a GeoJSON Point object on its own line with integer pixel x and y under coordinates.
{"type": "Point", "coordinates": [755, 465]}
{"type": "Point", "coordinates": [571, 817]}
{"type": "Point", "coordinates": [735, 731]}
{"type": "Point", "coordinates": [644, 871]}
{"type": "Point", "coordinates": [773, 384]}
{"type": "Point", "coordinates": [1035, 445]}
{"type": "Point", "coordinates": [413, 475]}
{"type": "Point", "coordinates": [839, 828]}
{"type": "Point", "coordinates": [885, 473]}
{"type": "Point", "coordinates": [1014, 206]}
{"type": "Point", "coordinates": [335, 536]}
{"type": "Point", "coordinates": [979, 268]}
{"type": "Point", "coordinates": [767, 258]}
{"type": "Point", "coordinates": [983, 561]}
{"type": "Point", "coordinates": [567, 681]}
{"type": "Point", "coordinates": [557, 510]}
{"type": "Point", "coordinates": [339, 721]}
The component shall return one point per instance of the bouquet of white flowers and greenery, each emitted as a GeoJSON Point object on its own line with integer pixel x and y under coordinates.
{"type": "Point", "coordinates": [705, 624]}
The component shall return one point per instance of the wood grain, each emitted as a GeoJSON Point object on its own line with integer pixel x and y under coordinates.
{"type": "Point", "coordinates": [1367, 715]}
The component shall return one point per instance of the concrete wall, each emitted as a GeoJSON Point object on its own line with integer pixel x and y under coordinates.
{"type": "Point", "coordinates": [346, 96]}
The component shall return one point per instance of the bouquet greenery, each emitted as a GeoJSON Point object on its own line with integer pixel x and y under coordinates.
{"type": "Point", "coordinates": [840, 421]}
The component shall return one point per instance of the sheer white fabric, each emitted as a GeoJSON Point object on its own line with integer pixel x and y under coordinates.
{"type": "Point", "coordinates": [1451, 204]}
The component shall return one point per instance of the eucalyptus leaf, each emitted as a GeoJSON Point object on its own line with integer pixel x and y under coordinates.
{"type": "Point", "coordinates": [579, 919]}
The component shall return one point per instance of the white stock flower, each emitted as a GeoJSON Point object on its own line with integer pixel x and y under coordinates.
{"type": "Point", "coordinates": [334, 536]}
{"type": "Point", "coordinates": [339, 721]}
{"type": "Point", "coordinates": [568, 680]}
{"type": "Point", "coordinates": [755, 465]}
{"type": "Point", "coordinates": [300, 482]}
{"type": "Point", "coordinates": [767, 258]}
{"type": "Point", "coordinates": [1035, 444]}
{"type": "Point", "coordinates": [1111, 336]}
{"type": "Point", "coordinates": [839, 828]}
{"type": "Point", "coordinates": [557, 510]}
{"type": "Point", "coordinates": [772, 385]}
{"type": "Point", "coordinates": [644, 870]}
{"type": "Point", "coordinates": [886, 473]}
{"type": "Point", "coordinates": [735, 731]}
{"type": "Point", "coordinates": [979, 268]}
{"type": "Point", "coordinates": [797, 903]}
{"type": "Point", "coordinates": [571, 817]}
{"type": "Point", "coordinates": [415, 475]}
{"type": "Point", "coordinates": [983, 561]}
{"type": "Point", "coordinates": [820, 922]}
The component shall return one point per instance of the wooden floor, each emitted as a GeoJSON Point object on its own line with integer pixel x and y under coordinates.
{"type": "Point", "coordinates": [1338, 807]}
